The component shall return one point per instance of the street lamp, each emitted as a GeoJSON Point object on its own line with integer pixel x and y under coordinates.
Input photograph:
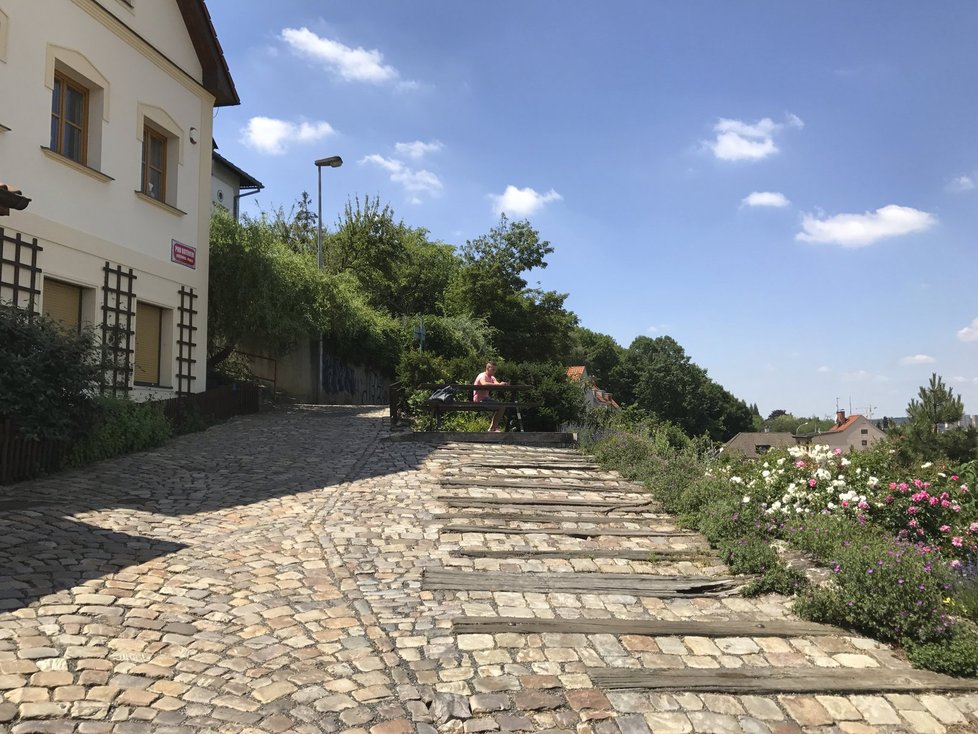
{"type": "Point", "coordinates": [334, 161]}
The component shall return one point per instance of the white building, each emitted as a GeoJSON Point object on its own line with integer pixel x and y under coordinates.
{"type": "Point", "coordinates": [106, 126]}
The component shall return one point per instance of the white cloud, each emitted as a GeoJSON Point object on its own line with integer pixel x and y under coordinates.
{"type": "Point", "coordinates": [352, 64]}
{"type": "Point", "coordinates": [959, 184]}
{"type": "Point", "coordinates": [765, 198]}
{"type": "Point", "coordinates": [917, 359]}
{"type": "Point", "coordinates": [969, 333]}
{"type": "Point", "coordinates": [824, 369]}
{"type": "Point", "coordinates": [418, 149]}
{"type": "Point", "coordinates": [859, 230]}
{"type": "Point", "coordinates": [863, 376]}
{"type": "Point", "coordinates": [268, 135]}
{"type": "Point", "coordinates": [417, 181]}
{"type": "Point", "coordinates": [737, 140]}
{"type": "Point", "coordinates": [522, 202]}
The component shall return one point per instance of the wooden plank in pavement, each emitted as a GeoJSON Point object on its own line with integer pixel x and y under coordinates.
{"type": "Point", "coordinates": [767, 681]}
{"type": "Point", "coordinates": [525, 552]}
{"type": "Point", "coordinates": [644, 627]}
{"type": "Point", "coordinates": [571, 532]}
{"type": "Point", "coordinates": [542, 485]}
{"type": "Point", "coordinates": [563, 503]}
{"type": "Point", "coordinates": [528, 517]}
{"type": "Point", "coordinates": [579, 583]}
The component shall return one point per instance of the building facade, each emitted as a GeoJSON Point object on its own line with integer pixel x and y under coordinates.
{"type": "Point", "coordinates": [106, 127]}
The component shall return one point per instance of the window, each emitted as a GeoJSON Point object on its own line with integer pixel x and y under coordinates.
{"type": "Point", "coordinates": [864, 431]}
{"type": "Point", "coordinates": [69, 119]}
{"type": "Point", "coordinates": [761, 449]}
{"type": "Point", "coordinates": [154, 164]}
{"type": "Point", "coordinates": [63, 303]}
{"type": "Point", "coordinates": [149, 328]}
{"type": "Point", "coordinates": [865, 443]}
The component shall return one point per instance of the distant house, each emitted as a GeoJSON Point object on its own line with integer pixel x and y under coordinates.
{"type": "Point", "coordinates": [228, 182]}
{"type": "Point", "coordinates": [855, 432]}
{"type": "Point", "coordinates": [594, 397]}
{"type": "Point", "coordinates": [754, 444]}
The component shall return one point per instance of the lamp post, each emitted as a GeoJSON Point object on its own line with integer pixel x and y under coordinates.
{"type": "Point", "coordinates": [333, 161]}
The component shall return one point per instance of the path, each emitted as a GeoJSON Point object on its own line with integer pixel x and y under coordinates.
{"type": "Point", "coordinates": [295, 572]}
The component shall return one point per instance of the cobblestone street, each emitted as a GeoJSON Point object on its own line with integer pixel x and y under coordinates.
{"type": "Point", "coordinates": [298, 571]}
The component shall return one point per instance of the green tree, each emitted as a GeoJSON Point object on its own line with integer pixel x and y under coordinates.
{"type": "Point", "coordinates": [937, 404]}
{"type": "Point", "coordinates": [531, 325]}
{"type": "Point", "coordinates": [598, 352]}
{"type": "Point", "coordinates": [658, 376]}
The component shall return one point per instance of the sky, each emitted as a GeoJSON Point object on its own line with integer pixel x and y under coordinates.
{"type": "Point", "coordinates": [789, 190]}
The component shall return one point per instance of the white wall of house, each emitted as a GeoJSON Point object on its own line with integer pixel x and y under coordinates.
{"type": "Point", "coordinates": [85, 215]}
{"type": "Point", "coordinates": [859, 436]}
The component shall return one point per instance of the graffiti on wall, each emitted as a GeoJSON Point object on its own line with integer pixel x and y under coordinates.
{"type": "Point", "coordinates": [344, 384]}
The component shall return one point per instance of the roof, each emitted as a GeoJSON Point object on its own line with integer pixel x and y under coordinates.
{"type": "Point", "coordinates": [11, 199]}
{"type": "Point", "coordinates": [575, 373]}
{"type": "Point", "coordinates": [247, 180]}
{"type": "Point", "coordinates": [605, 398]}
{"type": "Point", "coordinates": [216, 77]}
{"type": "Point", "coordinates": [845, 425]}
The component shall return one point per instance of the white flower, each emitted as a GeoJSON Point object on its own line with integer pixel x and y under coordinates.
{"type": "Point", "coordinates": [736, 480]}
{"type": "Point", "coordinates": [746, 499]}
{"type": "Point", "coordinates": [765, 473]}
{"type": "Point", "coordinates": [781, 461]}
{"type": "Point", "coordinates": [873, 481]}
{"type": "Point", "coordinates": [844, 461]}
{"type": "Point", "coordinates": [927, 465]}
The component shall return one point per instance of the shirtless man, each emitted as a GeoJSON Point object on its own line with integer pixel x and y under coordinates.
{"type": "Point", "coordinates": [482, 396]}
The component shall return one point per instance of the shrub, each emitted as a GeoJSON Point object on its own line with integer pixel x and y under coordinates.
{"type": "Point", "coordinates": [956, 655]}
{"type": "Point", "coordinates": [120, 426]}
{"type": "Point", "coordinates": [47, 376]}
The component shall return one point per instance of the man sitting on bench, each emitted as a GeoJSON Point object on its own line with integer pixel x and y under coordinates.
{"type": "Point", "coordinates": [482, 396]}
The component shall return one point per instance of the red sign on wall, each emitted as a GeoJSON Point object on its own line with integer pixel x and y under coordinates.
{"type": "Point", "coordinates": [183, 254]}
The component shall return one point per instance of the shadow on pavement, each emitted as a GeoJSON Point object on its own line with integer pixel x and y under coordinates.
{"type": "Point", "coordinates": [245, 461]}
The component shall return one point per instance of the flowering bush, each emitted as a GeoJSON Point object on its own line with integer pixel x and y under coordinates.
{"type": "Point", "coordinates": [935, 507]}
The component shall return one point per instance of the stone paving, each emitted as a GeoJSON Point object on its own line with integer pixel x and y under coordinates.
{"type": "Point", "coordinates": [266, 575]}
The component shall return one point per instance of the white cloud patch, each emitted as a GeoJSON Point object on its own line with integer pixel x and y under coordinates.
{"type": "Point", "coordinates": [969, 333]}
{"type": "Point", "coordinates": [917, 359]}
{"type": "Point", "coordinates": [960, 184]}
{"type": "Point", "coordinates": [737, 140]}
{"type": "Point", "coordinates": [859, 230]}
{"type": "Point", "coordinates": [269, 135]}
{"type": "Point", "coordinates": [823, 369]}
{"type": "Point", "coordinates": [413, 181]}
{"type": "Point", "coordinates": [522, 202]}
{"type": "Point", "coordinates": [418, 149]}
{"type": "Point", "coordinates": [765, 198]}
{"type": "Point", "coordinates": [352, 64]}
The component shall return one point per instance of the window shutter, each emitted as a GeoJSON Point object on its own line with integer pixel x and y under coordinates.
{"type": "Point", "coordinates": [62, 303]}
{"type": "Point", "coordinates": [147, 367]}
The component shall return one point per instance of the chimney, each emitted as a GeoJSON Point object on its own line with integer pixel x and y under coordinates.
{"type": "Point", "coordinates": [840, 417]}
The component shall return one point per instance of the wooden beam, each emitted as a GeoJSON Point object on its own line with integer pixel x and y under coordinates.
{"type": "Point", "coordinates": [525, 552]}
{"type": "Point", "coordinates": [542, 485]}
{"type": "Point", "coordinates": [631, 584]}
{"type": "Point", "coordinates": [572, 532]}
{"type": "Point", "coordinates": [766, 681]}
{"type": "Point", "coordinates": [527, 517]}
{"type": "Point", "coordinates": [461, 500]}
{"type": "Point", "coordinates": [644, 627]}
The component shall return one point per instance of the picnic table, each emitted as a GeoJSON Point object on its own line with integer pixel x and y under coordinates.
{"type": "Point", "coordinates": [463, 400]}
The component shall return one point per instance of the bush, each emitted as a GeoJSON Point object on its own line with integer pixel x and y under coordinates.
{"type": "Point", "coordinates": [956, 655]}
{"type": "Point", "coordinates": [47, 376]}
{"type": "Point", "coordinates": [120, 426]}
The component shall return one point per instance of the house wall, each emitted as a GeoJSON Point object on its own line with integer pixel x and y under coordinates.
{"type": "Point", "coordinates": [852, 438]}
{"type": "Point", "coordinates": [84, 217]}
{"type": "Point", "coordinates": [224, 186]}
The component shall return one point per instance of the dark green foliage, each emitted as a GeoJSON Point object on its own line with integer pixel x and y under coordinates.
{"type": "Point", "coordinates": [937, 404]}
{"type": "Point", "coordinates": [560, 399]}
{"type": "Point", "coordinates": [600, 353]}
{"type": "Point", "coordinates": [957, 655]}
{"type": "Point", "coordinates": [47, 376]}
{"type": "Point", "coordinates": [916, 442]}
{"type": "Point", "coordinates": [658, 376]}
{"type": "Point", "coordinates": [120, 426]}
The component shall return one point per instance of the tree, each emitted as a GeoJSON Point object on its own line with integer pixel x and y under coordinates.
{"type": "Point", "coordinates": [600, 353]}
{"type": "Point", "coordinates": [658, 376]}
{"type": "Point", "coordinates": [937, 404]}
{"type": "Point", "coordinates": [776, 413]}
{"type": "Point", "coordinates": [530, 324]}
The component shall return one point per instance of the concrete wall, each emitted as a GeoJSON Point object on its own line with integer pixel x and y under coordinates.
{"type": "Point", "coordinates": [345, 384]}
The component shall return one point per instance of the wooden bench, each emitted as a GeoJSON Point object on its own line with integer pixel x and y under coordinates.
{"type": "Point", "coordinates": [439, 407]}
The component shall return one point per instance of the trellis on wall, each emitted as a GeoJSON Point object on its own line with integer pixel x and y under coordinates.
{"type": "Point", "coordinates": [118, 309]}
{"type": "Point", "coordinates": [19, 272]}
{"type": "Point", "coordinates": [186, 341]}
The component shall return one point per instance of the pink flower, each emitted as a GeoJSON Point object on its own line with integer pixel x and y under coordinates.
{"type": "Point", "coordinates": [932, 501]}
{"type": "Point", "coordinates": [957, 541]}
{"type": "Point", "coordinates": [954, 478]}
{"type": "Point", "coordinates": [955, 564]}
{"type": "Point", "coordinates": [913, 510]}
{"type": "Point", "coordinates": [893, 485]}
{"type": "Point", "coordinates": [912, 524]}
{"type": "Point", "coordinates": [836, 451]}
{"type": "Point", "coordinates": [964, 487]}
{"type": "Point", "coordinates": [800, 464]}
{"type": "Point", "coordinates": [863, 505]}
{"type": "Point", "coordinates": [812, 482]}
{"type": "Point", "coordinates": [945, 528]}
{"type": "Point", "coordinates": [944, 503]}
{"type": "Point", "coordinates": [973, 527]}
{"type": "Point", "coordinates": [903, 487]}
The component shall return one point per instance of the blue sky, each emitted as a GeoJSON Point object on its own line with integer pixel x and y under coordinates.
{"type": "Point", "coordinates": [787, 189]}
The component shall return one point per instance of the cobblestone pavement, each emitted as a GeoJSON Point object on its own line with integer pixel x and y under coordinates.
{"type": "Point", "coordinates": [267, 576]}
